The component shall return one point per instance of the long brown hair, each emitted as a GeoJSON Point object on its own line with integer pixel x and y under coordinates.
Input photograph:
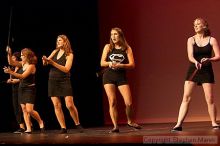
{"type": "Point", "coordinates": [30, 55]}
{"type": "Point", "coordinates": [66, 46]}
{"type": "Point", "coordinates": [122, 41]}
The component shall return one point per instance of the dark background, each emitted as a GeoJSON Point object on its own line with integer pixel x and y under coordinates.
{"type": "Point", "coordinates": [36, 24]}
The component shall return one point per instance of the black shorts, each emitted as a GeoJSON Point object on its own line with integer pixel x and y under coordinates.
{"type": "Point", "coordinates": [116, 77]}
{"type": "Point", "coordinates": [204, 75]}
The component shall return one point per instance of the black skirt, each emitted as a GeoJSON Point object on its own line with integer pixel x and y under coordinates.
{"type": "Point", "coordinates": [27, 94]}
{"type": "Point", "coordinates": [59, 87]}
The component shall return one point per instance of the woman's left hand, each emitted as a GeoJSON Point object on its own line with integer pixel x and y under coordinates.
{"type": "Point", "coordinates": [7, 70]}
{"type": "Point", "coordinates": [204, 60]}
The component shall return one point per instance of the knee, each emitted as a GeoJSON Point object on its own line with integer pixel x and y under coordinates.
{"type": "Point", "coordinates": [186, 99]}
{"type": "Point", "coordinates": [113, 103]}
{"type": "Point", "coordinates": [128, 105]}
{"type": "Point", "coordinates": [57, 106]}
{"type": "Point", "coordinates": [30, 111]}
{"type": "Point", "coordinates": [69, 106]}
{"type": "Point", "coordinates": [210, 100]}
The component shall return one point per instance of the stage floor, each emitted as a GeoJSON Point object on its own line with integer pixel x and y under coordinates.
{"type": "Point", "coordinates": [196, 133]}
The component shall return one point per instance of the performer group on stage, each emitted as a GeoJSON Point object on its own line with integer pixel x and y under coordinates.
{"type": "Point", "coordinates": [117, 57]}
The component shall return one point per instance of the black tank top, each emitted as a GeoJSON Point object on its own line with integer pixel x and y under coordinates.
{"type": "Point", "coordinates": [118, 55]}
{"type": "Point", "coordinates": [56, 73]}
{"type": "Point", "coordinates": [29, 80]}
{"type": "Point", "coordinates": [202, 52]}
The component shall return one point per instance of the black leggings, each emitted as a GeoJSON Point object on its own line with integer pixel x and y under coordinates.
{"type": "Point", "coordinates": [16, 105]}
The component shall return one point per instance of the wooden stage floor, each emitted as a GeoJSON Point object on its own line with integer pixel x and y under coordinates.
{"type": "Point", "coordinates": [196, 133]}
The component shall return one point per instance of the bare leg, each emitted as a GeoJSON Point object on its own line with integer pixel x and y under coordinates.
{"type": "Point", "coordinates": [210, 102]}
{"type": "Point", "coordinates": [111, 93]}
{"type": "Point", "coordinates": [26, 118]}
{"type": "Point", "coordinates": [58, 111]}
{"type": "Point", "coordinates": [72, 109]}
{"type": "Point", "coordinates": [126, 94]}
{"type": "Point", "coordinates": [188, 88]}
{"type": "Point", "coordinates": [34, 114]}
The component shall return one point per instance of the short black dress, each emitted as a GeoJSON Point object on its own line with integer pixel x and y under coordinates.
{"type": "Point", "coordinates": [59, 83]}
{"type": "Point", "coordinates": [205, 74]}
{"type": "Point", "coordinates": [27, 90]}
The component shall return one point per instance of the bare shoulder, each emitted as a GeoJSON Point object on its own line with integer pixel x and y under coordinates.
{"type": "Point", "coordinates": [31, 66]}
{"type": "Point", "coordinates": [70, 55]}
{"type": "Point", "coordinates": [129, 49]}
{"type": "Point", "coordinates": [213, 40]}
{"type": "Point", "coordinates": [54, 51]}
{"type": "Point", "coordinates": [107, 47]}
{"type": "Point", "coordinates": [191, 40]}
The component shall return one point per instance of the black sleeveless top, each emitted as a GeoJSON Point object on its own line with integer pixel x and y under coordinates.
{"type": "Point", "coordinates": [118, 56]}
{"type": "Point", "coordinates": [205, 74]}
{"type": "Point", "coordinates": [29, 80]}
{"type": "Point", "coordinates": [56, 73]}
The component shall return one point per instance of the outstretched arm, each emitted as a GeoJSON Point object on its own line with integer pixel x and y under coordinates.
{"type": "Point", "coordinates": [9, 57]}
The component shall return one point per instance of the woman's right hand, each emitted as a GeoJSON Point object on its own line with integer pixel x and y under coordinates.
{"type": "Point", "coordinates": [9, 81]}
{"type": "Point", "coordinates": [8, 50]}
{"type": "Point", "coordinates": [45, 60]}
{"type": "Point", "coordinates": [198, 65]}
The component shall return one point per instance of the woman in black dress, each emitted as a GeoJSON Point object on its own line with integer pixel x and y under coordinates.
{"type": "Point", "coordinates": [59, 84]}
{"type": "Point", "coordinates": [27, 87]}
{"type": "Point", "coordinates": [200, 72]}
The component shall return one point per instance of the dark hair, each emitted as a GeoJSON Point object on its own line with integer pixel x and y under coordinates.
{"type": "Point", "coordinates": [17, 55]}
{"type": "Point", "coordinates": [122, 41]}
{"type": "Point", "coordinates": [31, 57]}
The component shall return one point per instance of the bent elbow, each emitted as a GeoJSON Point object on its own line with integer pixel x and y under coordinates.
{"type": "Point", "coordinates": [66, 71]}
{"type": "Point", "coordinates": [21, 77]}
{"type": "Point", "coordinates": [133, 66]}
{"type": "Point", "coordinates": [102, 64]}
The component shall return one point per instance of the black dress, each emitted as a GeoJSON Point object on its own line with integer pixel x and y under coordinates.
{"type": "Point", "coordinates": [59, 83]}
{"type": "Point", "coordinates": [27, 90]}
{"type": "Point", "coordinates": [205, 74]}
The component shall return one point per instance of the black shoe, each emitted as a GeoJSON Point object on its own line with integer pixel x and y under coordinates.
{"type": "Point", "coordinates": [19, 131]}
{"type": "Point", "coordinates": [114, 130]}
{"type": "Point", "coordinates": [216, 127]}
{"type": "Point", "coordinates": [32, 128]}
{"type": "Point", "coordinates": [42, 130]}
{"type": "Point", "coordinates": [134, 125]}
{"type": "Point", "coordinates": [63, 131]}
{"type": "Point", "coordinates": [175, 129]}
{"type": "Point", "coordinates": [79, 128]}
